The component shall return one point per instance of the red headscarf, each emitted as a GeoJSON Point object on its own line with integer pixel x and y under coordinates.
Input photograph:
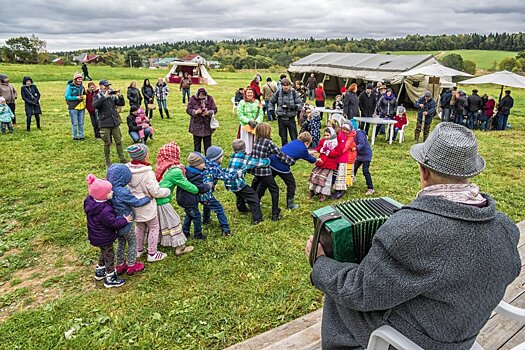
{"type": "Point", "coordinates": [167, 158]}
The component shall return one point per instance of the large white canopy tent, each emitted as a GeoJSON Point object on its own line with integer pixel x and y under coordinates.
{"type": "Point", "coordinates": [337, 69]}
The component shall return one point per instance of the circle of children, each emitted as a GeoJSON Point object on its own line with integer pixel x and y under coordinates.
{"type": "Point", "coordinates": [133, 204]}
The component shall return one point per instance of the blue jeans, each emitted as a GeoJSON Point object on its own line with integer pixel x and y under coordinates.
{"type": "Point", "coordinates": [185, 92]}
{"type": "Point", "coordinates": [445, 114]}
{"type": "Point", "coordinates": [216, 206]}
{"type": "Point", "coordinates": [472, 120]}
{"type": "Point", "coordinates": [162, 106]}
{"type": "Point", "coordinates": [459, 118]}
{"type": "Point", "coordinates": [192, 214]}
{"type": "Point", "coordinates": [485, 124]}
{"type": "Point", "coordinates": [396, 130]}
{"type": "Point", "coordinates": [311, 94]}
{"type": "Point", "coordinates": [77, 123]}
{"type": "Point", "coordinates": [136, 137]}
{"type": "Point", "coordinates": [502, 121]}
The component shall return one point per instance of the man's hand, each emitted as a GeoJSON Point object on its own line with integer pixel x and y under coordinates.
{"type": "Point", "coordinates": [129, 218]}
{"type": "Point", "coordinates": [425, 113]}
{"type": "Point", "coordinates": [308, 248]}
{"type": "Point", "coordinates": [421, 106]}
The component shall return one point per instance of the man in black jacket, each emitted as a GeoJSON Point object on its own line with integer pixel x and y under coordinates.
{"type": "Point", "coordinates": [367, 105]}
{"type": "Point", "coordinates": [504, 107]}
{"type": "Point", "coordinates": [106, 102]}
{"type": "Point", "coordinates": [475, 106]}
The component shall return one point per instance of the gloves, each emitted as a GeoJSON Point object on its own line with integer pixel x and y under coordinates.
{"type": "Point", "coordinates": [252, 123]}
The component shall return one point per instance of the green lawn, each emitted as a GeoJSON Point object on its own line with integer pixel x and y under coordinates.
{"type": "Point", "coordinates": [484, 58]}
{"type": "Point", "coordinates": [225, 291]}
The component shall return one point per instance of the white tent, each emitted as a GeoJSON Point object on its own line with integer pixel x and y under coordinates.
{"type": "Point", "coordinates": [336, 70]}
{"type": "Point", "coordinates": [423, 76]}
{"type": "Point", "coordinates": [197, 72]}
{"type": "Point", "coordinates": [503, 78]}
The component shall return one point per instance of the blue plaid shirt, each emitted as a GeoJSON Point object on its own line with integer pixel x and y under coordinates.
{"type": "Point", "coordinates": [242, 161]}
{"type": "Point", "coordinates": [213, 172]}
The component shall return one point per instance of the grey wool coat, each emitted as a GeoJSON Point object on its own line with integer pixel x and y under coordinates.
{"type": "Point", "coordinates": [435, 272]}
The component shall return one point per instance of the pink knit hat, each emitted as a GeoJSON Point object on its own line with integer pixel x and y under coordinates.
{"type": "Point", "coordinates": [98, 188]}
{"type": "Point", "coordinates": [77, 75]}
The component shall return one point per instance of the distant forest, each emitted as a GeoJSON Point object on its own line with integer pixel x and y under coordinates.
{"type": "Point", "coordinates": [268, 53]}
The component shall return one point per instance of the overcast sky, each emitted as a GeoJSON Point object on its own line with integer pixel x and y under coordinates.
{"type": "Point", "coordinates": [71, 25]}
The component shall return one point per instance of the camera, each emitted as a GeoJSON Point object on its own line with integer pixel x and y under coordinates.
{"type": "Point", "coordinates": [113, 92]}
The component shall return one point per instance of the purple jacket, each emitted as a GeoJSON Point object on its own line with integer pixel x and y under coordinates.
{"type": "Point", "coordinates": [200, 125]}
{"type": "Point", "coordinates": [102, 222]}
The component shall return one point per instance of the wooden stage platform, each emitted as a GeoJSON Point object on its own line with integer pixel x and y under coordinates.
{"type": "Point", "coordinates": [305, 332]}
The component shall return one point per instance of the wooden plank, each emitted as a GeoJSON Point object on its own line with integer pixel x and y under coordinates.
{"type": "Point", "coordinates": [299, 340]}
{"type": "Point", "coordinates": [521, 226]}
{"type": "Point", "coordinates": [499, 330]}
{"type": "Point", "coordinates": [314, 346]}
{"type": "Point", "coordinates": [274, 335]}
{"type": "Point", "coordinates": [516, 340]}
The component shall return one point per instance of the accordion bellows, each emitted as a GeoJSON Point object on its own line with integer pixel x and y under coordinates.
{"type": "Point", "coordinates": [346, 230]}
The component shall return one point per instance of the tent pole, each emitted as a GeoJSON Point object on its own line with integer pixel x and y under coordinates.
{"type": "Point", "coordinates": [501, 92]}
{"type": "Point", "coordinates": [302, 79]}
{"type": "Point", "coordinates": [346, 82]}
{"type": "Point", "coordinates": [400, 89]}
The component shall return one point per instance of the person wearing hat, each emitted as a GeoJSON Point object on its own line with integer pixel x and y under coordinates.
{"type": "Point", "coordinates": [426, 110]}
{"type": "Point", "coordinates": [75, 97]}
{"type": "Point", "coordinates": [31, 97]}
{"type": "Point", "coordinates": [201, 108]}
{"type": "Point", "coordinates": [475, 107]}
{"type": "Point", "coordinates": [504, 107]}
{"type": "Point", "coordinates": [102, 226]}
{"type": "Point", "coordinates": [437, 267]}
{"type": "Point", "coordinates": [8, 92]}
{"type": "Point", "coordinates": [367, 105]}
{"type": "Point", "coordinates": [189, 201]}
{"type": "Point", "coordinates": [106, 102]}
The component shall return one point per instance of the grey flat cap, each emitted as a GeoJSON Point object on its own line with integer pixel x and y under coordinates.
{"type": "Point", "coordinates": [427, 94]}
{"type": "Point", "coordinates": [450, 149]}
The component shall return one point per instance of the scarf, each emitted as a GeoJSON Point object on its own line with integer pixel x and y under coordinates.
{"type": "Point", "coordinates": [331, 143]}
{"type": "Point", "coordinates": [386, 97]}
{"type": "Point", "coordinates": [167, 158]}
{"type": "Point", "coordinates": [468, 194]}
{"type": "Point", "coordinates": [246, 98]}
{"type": "Point", "coordinates": [138, 162]}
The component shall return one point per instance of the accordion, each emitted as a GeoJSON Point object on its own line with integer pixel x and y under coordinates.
{"type": "Point", "coordinates": [346, 230]}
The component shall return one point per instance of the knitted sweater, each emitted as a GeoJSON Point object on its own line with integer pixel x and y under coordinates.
{"type": "Point", "coordinates": [435, 272]}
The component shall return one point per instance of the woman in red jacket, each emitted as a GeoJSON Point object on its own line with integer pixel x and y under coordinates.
{"type": "Point", "coordinates": [256, 87]}
{"type": "Point", "coordinates": [488, 113]}
{"type": "Point", "coordinates": [321, 178]}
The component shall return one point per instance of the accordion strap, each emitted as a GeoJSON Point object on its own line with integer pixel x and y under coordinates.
{"type": "Point", "coordinates": [321, 220]}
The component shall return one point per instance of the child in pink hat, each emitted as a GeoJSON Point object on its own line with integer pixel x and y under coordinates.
{"type": "Point", "coordinates": [102, 224]}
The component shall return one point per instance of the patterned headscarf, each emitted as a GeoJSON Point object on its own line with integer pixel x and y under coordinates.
{"type": "Point", "coordinates": [167, 158]}
{"type": "Point", "coordinates": [246, 98]}
{"type": "Point", "coordinates": [332, 143]}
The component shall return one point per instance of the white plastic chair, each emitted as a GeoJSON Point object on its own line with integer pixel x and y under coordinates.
{"type": "Point", "coordinates": [385, 336]}
{"type": "Point", "coordinates": [401, 133]}
{"type": "Point", "coordinates": [235, 104]}
{"type": "Point", "coordinates": [338, 117]}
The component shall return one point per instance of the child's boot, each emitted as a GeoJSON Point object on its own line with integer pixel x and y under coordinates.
{"type": "Point", "coordinates": [100, 273]}
{"type": "Point", "coordinates": [135, 268]}
{"type": "Point", "coordinates": [311, 194]}
{"type": "Point", "coordinates": [121, 268]}
{"type": "Point", "coordinates": [199, 236]}
{"type": "Point", "coordinates": [183, 249]}
{"type": "Point", "coordinates": [112, 280]}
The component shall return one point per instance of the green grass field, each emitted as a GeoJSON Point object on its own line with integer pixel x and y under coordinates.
{"type": "Point", "coordinates": [225, 291]}
{"type": "Point", "coordinates": [484, 58]}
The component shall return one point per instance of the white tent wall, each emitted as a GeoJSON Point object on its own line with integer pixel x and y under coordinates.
{"type": "Point", "coordinates": [204, 76]}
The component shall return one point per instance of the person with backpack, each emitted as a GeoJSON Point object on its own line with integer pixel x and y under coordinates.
{"type": "Point", "coordinates": [288, 104]}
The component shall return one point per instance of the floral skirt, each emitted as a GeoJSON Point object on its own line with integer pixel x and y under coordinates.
{"type": "Point", "coordinates": [170, 227]}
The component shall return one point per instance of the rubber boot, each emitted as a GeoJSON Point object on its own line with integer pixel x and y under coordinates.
{"type": "Point", "coordinates": [291, 205]}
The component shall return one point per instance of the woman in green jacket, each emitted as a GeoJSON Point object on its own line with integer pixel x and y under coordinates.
{"type": "Point", "coordinates": [170, 173]}
{"type": "Point", "coordinates": [249, 113]}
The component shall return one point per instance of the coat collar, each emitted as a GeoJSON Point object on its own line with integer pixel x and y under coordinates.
{"type": "Point", "coordinates": [452, 210]}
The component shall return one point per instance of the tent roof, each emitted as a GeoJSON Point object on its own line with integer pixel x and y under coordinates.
{"type": "Point", "coordinates": [363, 61]}
{"type": "Point", "coordinates": [435, 70]}
{"type": "Point", "coordinates": [504, 78]}
{"type": "Point", "coordinates": [367, 66]}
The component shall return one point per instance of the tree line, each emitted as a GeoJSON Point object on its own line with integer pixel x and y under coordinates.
{"type": "Point", "coordinates": [263, 53]}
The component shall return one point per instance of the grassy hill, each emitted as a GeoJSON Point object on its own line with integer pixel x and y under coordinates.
{"type": "Point", "coordinates": [484, 59]}
{"type": "Point", "coordinates": [226, 290]}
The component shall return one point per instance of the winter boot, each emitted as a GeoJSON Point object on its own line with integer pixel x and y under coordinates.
{"type": "Point", "coordinates": [112, 280]}
{"type": "Point", "coordinates": [100, 273]}
{"type": "Point", "coordinates": [291, 205]}
{"type": "Point", "coordinates": [121, 268]}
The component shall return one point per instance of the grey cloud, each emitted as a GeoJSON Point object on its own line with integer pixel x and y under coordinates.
{"type": "Point", "coordinates": [96, 23]}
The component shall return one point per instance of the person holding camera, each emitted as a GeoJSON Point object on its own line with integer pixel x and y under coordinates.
{"type": "Point", "coordinates": [106, 102]}
{"type": "Point", "coordinates": [288, 102]}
